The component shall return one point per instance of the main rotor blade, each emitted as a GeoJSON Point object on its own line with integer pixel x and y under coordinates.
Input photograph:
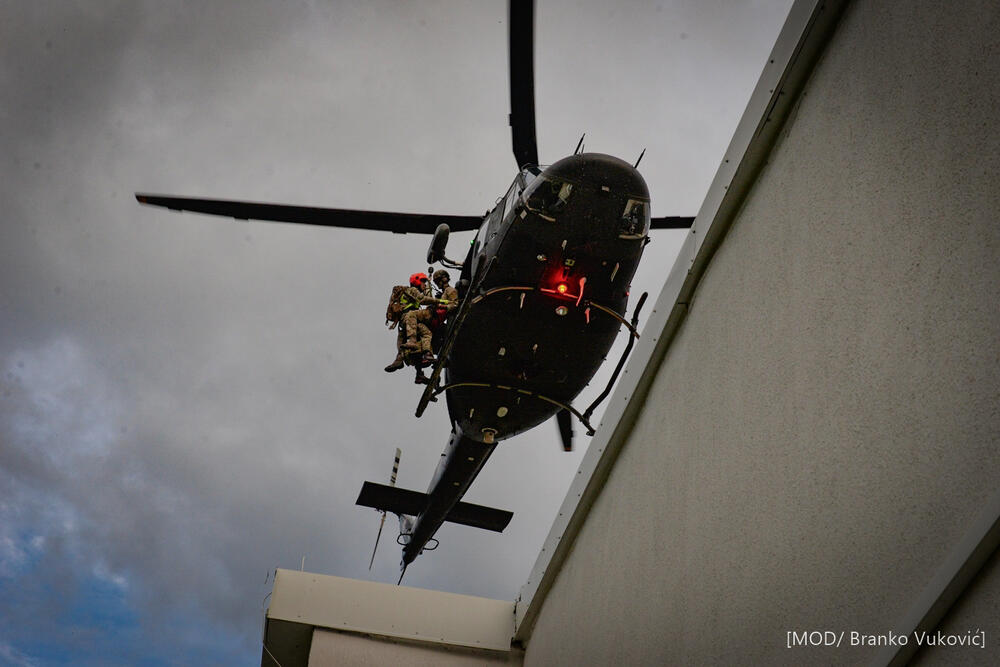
{"type": "Point", "coordinates": [671, 222]}
{"type": "Point", "coordinates": [522, 81]}
{"type": "Point", "coordinates": [398, 223]}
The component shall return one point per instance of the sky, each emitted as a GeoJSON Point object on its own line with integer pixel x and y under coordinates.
{"type": "Point", "coordinates": [189, 402]}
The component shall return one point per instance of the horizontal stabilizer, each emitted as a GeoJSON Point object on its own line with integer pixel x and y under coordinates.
{"type": "Point", "coordinates": [392, 499]}
{"type": "Point", "coordinates": [478, 516]}
{"type": "Point", "coordinates": [403, 501]}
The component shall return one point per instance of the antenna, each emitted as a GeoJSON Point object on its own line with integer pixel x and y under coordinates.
{"type": "Point", "coordinates": [392, 482]}
{"type": "Point", "coordinates": [579, 145]}
{"type": "Point", "coordinates": [401, 575]}
{"type": "Point", "coordinates": [636, 165]}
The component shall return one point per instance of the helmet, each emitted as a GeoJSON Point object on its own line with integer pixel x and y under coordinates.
{"type": "Point", "coordinates": [417, 278]}
{"type": "Point", "coordinates": [441, 276]}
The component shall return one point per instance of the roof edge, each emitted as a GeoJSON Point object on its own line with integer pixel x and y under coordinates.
{"type": "Point", "coordinates": [307, 600]}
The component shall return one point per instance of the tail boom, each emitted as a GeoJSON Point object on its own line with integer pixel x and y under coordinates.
{"type": "Point", "coordinates": [460, 464]}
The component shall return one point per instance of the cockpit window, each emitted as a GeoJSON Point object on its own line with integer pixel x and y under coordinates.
{"type": "Point", "coordinates": [482, 236]}
{"type": "Point", "coordinates": [548, 197]}
{"type": "Point", "coordinates": [511, 203]}
{"type": "Point", "coordinates": [634, 222]}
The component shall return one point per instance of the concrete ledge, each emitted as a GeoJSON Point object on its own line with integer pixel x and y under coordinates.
{"type": "Point", "coordinates": [303, 601]}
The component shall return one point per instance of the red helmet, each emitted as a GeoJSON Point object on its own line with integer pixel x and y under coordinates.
{"type": "Point", "coordinates": [418, 278]}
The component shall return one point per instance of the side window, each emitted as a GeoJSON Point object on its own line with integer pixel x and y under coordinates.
{"type": "Point", "coordinates": [487, 232]}
{"type": "Point", "coordinates": [490, 226]}
{"type": "Point", "coordinates": [481, 236]}
{"type": "Point", "coordinates": [634, 222]}
{"type": "Point", "coordinates": [511, 202]}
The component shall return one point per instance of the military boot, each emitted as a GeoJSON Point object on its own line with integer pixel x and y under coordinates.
{"type": "Point", "coordinates": [395, 365]}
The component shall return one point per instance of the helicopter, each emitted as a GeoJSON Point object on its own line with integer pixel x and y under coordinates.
{"type": "Point", "coordinates": [544, 288]}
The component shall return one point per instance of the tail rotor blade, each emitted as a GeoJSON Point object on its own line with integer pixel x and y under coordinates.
{"type": "Point", "coordinates": [395, 467]}
{"type": "Point", "coordinates": [522, 81]}
{"type": "Point", "coordinates": [392, 482]}
{"type": "Point", "coordinates": [377, 538]}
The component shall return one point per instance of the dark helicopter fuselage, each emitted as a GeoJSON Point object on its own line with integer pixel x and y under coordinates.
{"type": "Point", "coordinates": [562, 247]}
{"type": "Point", "coordinates": [546, 285]}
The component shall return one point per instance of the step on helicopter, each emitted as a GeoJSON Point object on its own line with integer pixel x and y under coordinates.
{"type": "Point", "coordinates": [543, 292]}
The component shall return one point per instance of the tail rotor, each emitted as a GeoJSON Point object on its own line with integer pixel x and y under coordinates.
{"type": "Point", "coordinates": [392, 482]}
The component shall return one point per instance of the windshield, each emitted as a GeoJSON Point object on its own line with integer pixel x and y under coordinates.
{"type": "Point", "coordinates": [547, 197]}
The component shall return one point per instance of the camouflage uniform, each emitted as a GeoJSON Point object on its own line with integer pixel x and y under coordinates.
{"type": "Point", "coordinates": [410, 325]}
{"type": "Point", "coordinates": [417, 319]}
{"type": "Point", "coordinates": [397, 363]}
{"type": "Point", "coordinates": [449, 296]}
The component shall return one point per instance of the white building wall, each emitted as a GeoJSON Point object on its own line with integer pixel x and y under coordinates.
{"type": "Point", "coordinates": [826, 424]}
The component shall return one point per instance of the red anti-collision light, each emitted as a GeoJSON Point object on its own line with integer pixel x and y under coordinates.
{"type": "Point", "coordinates": [562, 288]}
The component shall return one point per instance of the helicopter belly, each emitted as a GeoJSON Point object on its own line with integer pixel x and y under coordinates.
{"type": "Point", "coordinates": [523, 357]}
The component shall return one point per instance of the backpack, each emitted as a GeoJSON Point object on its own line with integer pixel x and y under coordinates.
{"type": "Point", "coordinates": [394, 311]}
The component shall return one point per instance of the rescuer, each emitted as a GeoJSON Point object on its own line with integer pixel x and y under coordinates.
{"type": "Point", "coordinates": [447, 299]}
{"type": "Point", "coordinates": [405, 311]}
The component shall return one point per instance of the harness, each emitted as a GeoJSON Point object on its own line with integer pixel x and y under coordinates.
{"type": "Point", "coordinates": [408, 303]}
